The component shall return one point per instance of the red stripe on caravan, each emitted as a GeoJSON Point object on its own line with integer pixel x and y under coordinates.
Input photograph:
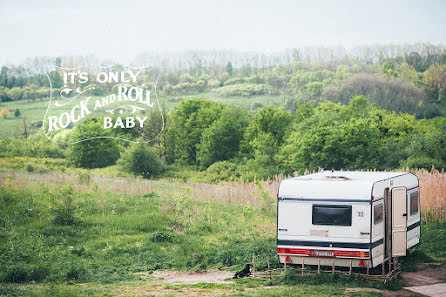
{"type": "Point", "coordinates": [323, 253]}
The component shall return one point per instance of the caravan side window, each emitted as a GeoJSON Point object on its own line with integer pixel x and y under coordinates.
{"type": "Point", "coordinates": [333, 215]}
{"type": "Point", "coordinates": [378, 213]}
{"type": "Point", "coordinates": [414, 203]}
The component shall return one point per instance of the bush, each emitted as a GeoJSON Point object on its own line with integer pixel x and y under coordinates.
{"type": "Point", "coordinates": [140, 159]}
{"type": "Point", "coordinates": [93, 153]}
{"type": "Point", "coordinates": [25, 273]}
{"type": "Point", "coordinates": [423, 162]}
{"type": "Point", "coordinates": [63, 207]}
{"type": "Point", "coordinates": [29, 168]}
{"type": "Point", "coordinates": [223, 170]}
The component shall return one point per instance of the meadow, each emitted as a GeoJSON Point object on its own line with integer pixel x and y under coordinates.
{"type": "Point", "coordinates": [75, 232]}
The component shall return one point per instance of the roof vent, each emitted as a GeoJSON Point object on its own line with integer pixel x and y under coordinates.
{"type": "Point", "coordinates": [337, 177]}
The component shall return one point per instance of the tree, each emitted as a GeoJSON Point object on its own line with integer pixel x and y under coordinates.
{"type": "Point", "coordinates": [56, 80]}
{"type": "Point", "coordinates": [427, 149]}
{"type": "Point", "coordinates": [407, 73]}
{"type": "Point", "coordinates": [4, 113]}
{"type": "Point", "coordinates": [391, 94]}
{"type": "Point", "coordinates": [333, 137]}
{"type": "Point", "coordinates": [229, 68]}
{"type": "Point", "coordinates": [93, 153]}
{"type": "Point", "coordinates": [359, 105]}
{"type": "Point", "coordinates": [189, 120]}
{"type": "Point", "coordinates": [389, 69]}
{"type": "Point", "coordinates": [271, 120]}
{"type": "Point", "coordinates": [264, 163]}
{"type": "Point", "coordinates": [140, 159]}
{"type": "Point", "coordinates": [435, 76]}
{"type": "Point", "coordinates": [221, 140]}
{"type": "Point", "coordinates": [416, 61]}
{"type": "Point", "coordinates": [17, 113]}
{"type": "Point", "coordinates": [4, 76]}
{"type": "Point", "coordinates": [15, 94]}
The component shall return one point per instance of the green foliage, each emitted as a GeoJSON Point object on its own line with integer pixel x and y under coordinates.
{"type": "Point", "coordinates": [222, 171]}
{"type": "Point", "coordinates": [29, 168]}
{"type": "Point", "coordinates": [221, 140]}
{"type": "Point", "coordinates": [389, 69]}
{"type": "Point", "coordinates": [141, 160]}
{"type": "Point", "coordinates": [92, 153]}
{"type": "Point", "coordinates": [245, 89]}
{"type": "Point", "coordinates": [17, 113]}
{"type": "Point", "coordinates": [63, 207]}
{"type": "Point", "coordinates": [84, 177]}
{"type": "Point", "coordinates": [189, 120]}
{"type": "Point", "coordinates": [331, 138]}
{"type": "Point", "coordinates": [380, 91]}
{"type": "Point", "coordinates": [271, 120]}
{"type": "Point", "coordinates": [229, 68]}
{"type": "Point", "coordinates": [34, 146]}
{"type": "Point", "coordinates": [427, 149]}
{"type": "Point", "coordinates": [425, 162]}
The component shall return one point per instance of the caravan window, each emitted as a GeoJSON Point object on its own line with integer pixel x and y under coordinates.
{"type": "Point", "coordinates": [334, 215]}
{"type": "Point", "coordinates": [414, 203]}
{"type": "Point", "coordinates": [378, 213]}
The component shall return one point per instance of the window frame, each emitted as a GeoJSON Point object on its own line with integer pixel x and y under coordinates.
{"type": "Point", "coordinates": [348, 207]}
{"type": "Point", "coordinates": [375, 222]}
{"type": "Point", "coordinates": [411, 196]}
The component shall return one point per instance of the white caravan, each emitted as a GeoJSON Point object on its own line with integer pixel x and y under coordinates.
{"type": "Point", "coordinates": [345, 218]}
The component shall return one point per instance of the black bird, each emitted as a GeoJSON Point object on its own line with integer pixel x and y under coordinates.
{"type": "Point", "coordinates": [245, 272]}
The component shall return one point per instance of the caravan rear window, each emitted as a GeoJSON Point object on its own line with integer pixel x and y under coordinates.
{"type": "Point", "coordinates": [378, 213]}
{"type": "Point", "coordinates": [333, 215]}
{"type": "Point", "coordinates": [413, 203]}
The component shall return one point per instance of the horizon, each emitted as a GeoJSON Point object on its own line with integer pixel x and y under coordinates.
{"type": "Point", "coordinates": [110, 30]}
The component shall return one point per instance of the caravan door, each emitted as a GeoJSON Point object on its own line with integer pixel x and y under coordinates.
{"type": "Point", "coordinates": [399, 221]}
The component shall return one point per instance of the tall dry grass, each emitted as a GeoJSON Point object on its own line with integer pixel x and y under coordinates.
{"type": "Point", "coordinates": [432, 193]}
{"type": "Point", "coordinates": [432, 188]}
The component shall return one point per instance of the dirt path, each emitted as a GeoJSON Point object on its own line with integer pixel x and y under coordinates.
{"type": "Point", "coordinates": [428, 282]}
{"type": "Point", "coordinates": [179, 277]}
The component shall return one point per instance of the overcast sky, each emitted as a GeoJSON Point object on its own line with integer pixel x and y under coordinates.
{"type": "Point", "coordinates": [122, 29]}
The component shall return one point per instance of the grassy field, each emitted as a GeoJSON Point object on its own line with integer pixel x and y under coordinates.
{"type": "Point", "coordinates": [93, 233]}
{"type": "Point", "coordinates": [35, 110]}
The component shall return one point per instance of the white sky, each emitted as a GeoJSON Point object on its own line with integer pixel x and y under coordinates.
{"type": "Point", "coordinates": [122, 29]}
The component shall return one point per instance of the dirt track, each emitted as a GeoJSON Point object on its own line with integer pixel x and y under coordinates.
{"type": "Point", "coordinates": [428, 282]}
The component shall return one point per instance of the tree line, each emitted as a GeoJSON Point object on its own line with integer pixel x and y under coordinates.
{"type": "Point", "coordinates": [403, 79]}
{"type": "Point", "coordinates": [228, 141]}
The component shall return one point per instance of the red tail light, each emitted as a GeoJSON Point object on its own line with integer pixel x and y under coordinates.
{"type": "Point", "coordinates": [323, 253]}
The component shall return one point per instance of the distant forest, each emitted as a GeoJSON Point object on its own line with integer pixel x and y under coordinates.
{"type": "Point", "coordinates": [401, 78]}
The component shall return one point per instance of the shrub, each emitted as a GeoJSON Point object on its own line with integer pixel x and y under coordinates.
{"type": "Point", "coordinates": [29, 168]}
{"type": "Point", "coordinates": [94, 153]}
{"type": "Point", "coordinates": [84, 177]}
{"type": "Point", "coordinates": [140, 159]}
{"type": "Point", "coordinates": [423, 162]}
{"type": "Point", "coordinates": [63, 207]}
{"type": "Point", "coordinates": [223, 170]}
{"type": "Point", "coordinates": [25, 273]}
{"type": "Point", "coordinates": [4, 113]}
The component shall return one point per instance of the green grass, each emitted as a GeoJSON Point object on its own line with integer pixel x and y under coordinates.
{"type": "Point", "coordinates": [113, 236]}
{"type": "Point", "coordinates": [86, 240]}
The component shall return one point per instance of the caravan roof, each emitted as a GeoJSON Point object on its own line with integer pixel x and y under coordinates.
{"type": "Point", "coordinates": [349, 185]}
